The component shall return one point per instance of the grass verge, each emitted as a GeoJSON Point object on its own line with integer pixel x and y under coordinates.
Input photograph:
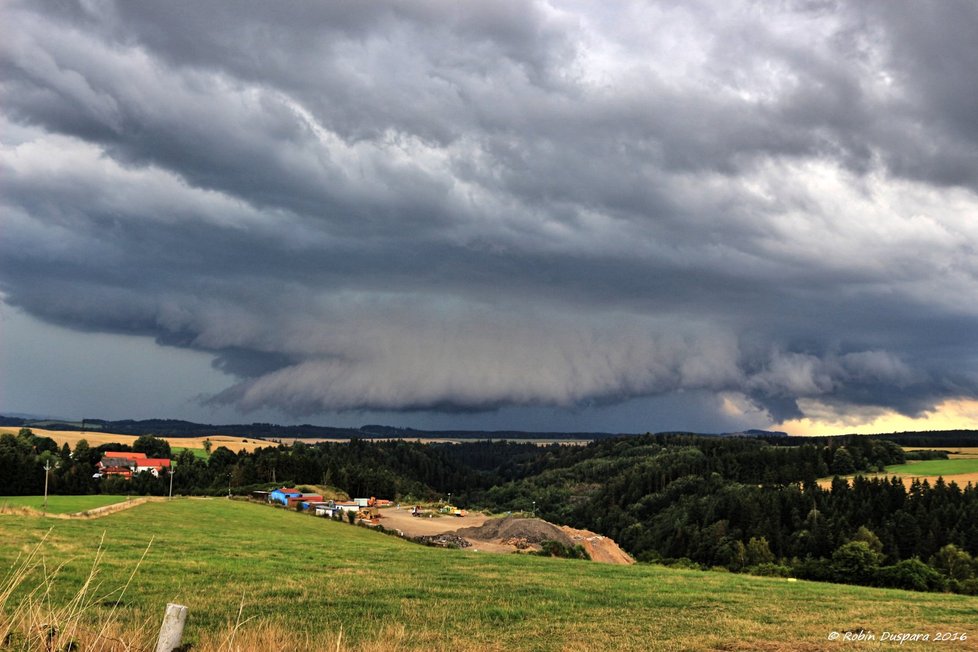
{"type": "Point", "coordinates": [62, 504]}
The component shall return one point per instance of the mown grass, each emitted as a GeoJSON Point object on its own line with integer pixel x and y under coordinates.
{"type": "Point", "coordinates": [308, 578]}
{"type": "Point", "coordinates": [62, 504]}
{"type": "Point", "coordinates": [935, 467]}
{"type": "Point", "coordinates": [199, 453]}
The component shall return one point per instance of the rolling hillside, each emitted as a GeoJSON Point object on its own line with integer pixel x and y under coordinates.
{"type": "Point", "coordinates": [307, 583]}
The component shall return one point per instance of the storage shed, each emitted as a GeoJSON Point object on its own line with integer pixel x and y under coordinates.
{"type": "Point", "coordinates": [282, 495]}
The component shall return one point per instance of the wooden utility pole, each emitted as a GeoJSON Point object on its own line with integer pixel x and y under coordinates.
{"type": "Point", "coordinates": [47, 468]}
{"type": "Point", "coordinates": [171, 481]}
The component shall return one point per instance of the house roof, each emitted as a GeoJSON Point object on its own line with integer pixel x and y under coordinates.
{"type": "Point", "coordinates": [116, 462]}
{"type": "Point", "coordinates": [126, 455]}
{"type": "Point", "coordinates": [286, 490]}
{"type": "Point", "coordinates": [152, 461]}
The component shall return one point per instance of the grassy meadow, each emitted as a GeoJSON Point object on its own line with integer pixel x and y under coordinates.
{"type": "Point", "coordinates": [299, 582]}
{"type": "Point", "coordinates": [61, 504]}
{"type": "Point", "coordinates": [199, 453]}
{"type": "Point", "coordinates": [935, 467]}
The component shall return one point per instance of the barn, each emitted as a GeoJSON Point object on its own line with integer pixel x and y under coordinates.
{"type": "Point", "coordinates": [282, 495]}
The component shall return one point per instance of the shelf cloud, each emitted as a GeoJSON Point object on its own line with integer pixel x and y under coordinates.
{"type": "Point", "coordinates": [468, 207]}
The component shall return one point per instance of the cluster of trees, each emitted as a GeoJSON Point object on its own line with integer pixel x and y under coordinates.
{"type": "Point", "coordinates": [24, 457]}
{"type": "Point", "coordinates": [743, 504]}
{"type": "Point", "coordinates": [746, 505]}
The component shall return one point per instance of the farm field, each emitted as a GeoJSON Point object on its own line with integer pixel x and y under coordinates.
{"type": "Point", "coordinates": [954, 452]}
{"type": "Point", "coordinates": [199, 453]}
{"type": "Point", "coordinates": [961, 469]}
{"type": "Point", "coordinates": [305, 583]}
{"type": "Point", "coordinates": [935, 467]}
{"type": "Point", "coordinates": [62, 504]}
{"type": "Point", "coordinates": [438, 440]}
{"type": "Point", "coordinates": [72, 437]}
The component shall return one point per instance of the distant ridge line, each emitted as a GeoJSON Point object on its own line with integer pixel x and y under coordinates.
{"type": "Point", "coordinates": [270, 431]}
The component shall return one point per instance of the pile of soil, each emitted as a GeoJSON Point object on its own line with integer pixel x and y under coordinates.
{"type": "Point", "coordinates": [447, 540]}
{"type": "Point", "coordinates": [602, 549]}
{"type": "Point", "coordinates": [530, 530]}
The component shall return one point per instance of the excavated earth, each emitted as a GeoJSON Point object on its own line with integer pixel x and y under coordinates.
{"type": "Point", "coordinates": [500, 535]}
{"type": "Point", "coordinates": [521, 533]}
{"type": "Point", "coordinates": [531, 530]}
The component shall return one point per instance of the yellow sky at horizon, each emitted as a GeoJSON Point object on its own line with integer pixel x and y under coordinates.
{"type": "Point", "coordinates": [954, 414]}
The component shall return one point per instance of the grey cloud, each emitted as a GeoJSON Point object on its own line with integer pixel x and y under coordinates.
{"type": "Point", "coordinates": [430, 207]}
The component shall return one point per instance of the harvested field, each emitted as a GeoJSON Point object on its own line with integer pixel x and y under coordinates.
{"type": "Point", "coordinates": [961, 479]}
{"type": "Point", "coordinates": [961, 468]}
{"type": "Point", "coordinates": [436, 440]}
{"type": "Point", "coordinates": [94, 438]}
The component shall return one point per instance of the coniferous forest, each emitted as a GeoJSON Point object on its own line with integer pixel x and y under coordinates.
{"type": "Point", "coordinates": [736, 504]}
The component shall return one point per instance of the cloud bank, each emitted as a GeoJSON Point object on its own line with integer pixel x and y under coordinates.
{"type": "Point", "coordinates": [456, 208]}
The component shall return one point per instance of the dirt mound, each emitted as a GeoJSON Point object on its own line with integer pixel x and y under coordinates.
{"type": "Point", "coordinates": [601, 548]}
{"type": "Point", "coordinates": [530, 530]}
{"type": "Point", "coordinates": [447, 540]}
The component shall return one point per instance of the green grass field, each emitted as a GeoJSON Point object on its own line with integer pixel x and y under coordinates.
{"type": "Point", "coordinates": [199, 453]}
{"type": "Point", "coordinates": [62, 504]}
{"type": "Point", "coordinates": [302, 580]}
{"type": "Point", "coordinates": [936, 467]}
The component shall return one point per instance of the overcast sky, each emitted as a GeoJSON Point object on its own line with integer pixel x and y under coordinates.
{"type": "Point", "coordinates": [553, 216]}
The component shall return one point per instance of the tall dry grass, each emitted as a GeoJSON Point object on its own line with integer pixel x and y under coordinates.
{"type": "Point", "coordinates": [31, 619]}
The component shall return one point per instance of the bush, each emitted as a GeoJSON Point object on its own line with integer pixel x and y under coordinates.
{"type": "Point", "coordinates": [557, 549]}
{"type": "Point", "coordinates": [810, 568]}
{"type": "Point", "coordinates": [954, 562]}
{"type": "Point", "coordinates": [759, 552]}
{"type": "Point", "coordinates": [649, 557]}
{"type": "Point", "coordinates": [926, 455]}
{"type": "Point", "coordinates": [911, 574]}
{"type": "Point", "coordinates": [769, 570]}
{"type": "Point", "coordinates": [855, 562]}
{"type": "Point", "coordinates": [966, 587]}
{"type": "Point", "coordinates": [683, 562]}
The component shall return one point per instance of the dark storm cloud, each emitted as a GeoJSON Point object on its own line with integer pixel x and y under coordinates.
{"type": "Point", "coordinates": [434, 206]}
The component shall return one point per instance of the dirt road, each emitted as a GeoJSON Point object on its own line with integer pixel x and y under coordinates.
{"type": "Point", "coordinates": [416, 526]}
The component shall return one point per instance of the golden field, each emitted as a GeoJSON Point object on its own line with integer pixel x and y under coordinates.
{"type": "Point", "coordinates": [72, 437]}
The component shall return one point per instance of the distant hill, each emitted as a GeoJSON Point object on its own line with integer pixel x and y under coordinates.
{"type": "Point", "coordinates": [179, 428]}
{"type": "Point", "coordinates": [755, 433]}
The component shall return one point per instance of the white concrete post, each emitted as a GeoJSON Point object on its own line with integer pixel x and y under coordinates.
{"type": "Point", "coordinates": [171, 631]}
